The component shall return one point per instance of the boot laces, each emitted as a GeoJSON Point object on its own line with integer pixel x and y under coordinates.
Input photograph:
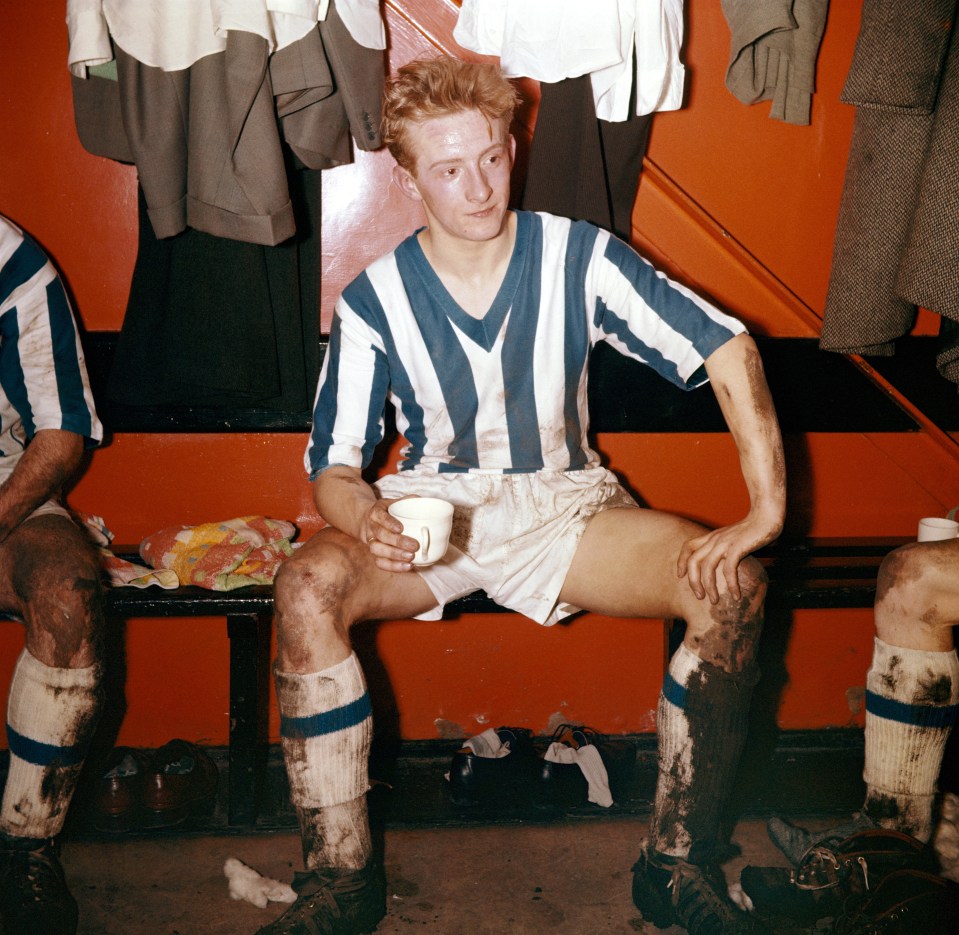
{"type": "Point", "coordinates": [818, 859]}
{"type": "Point", "coordinates": [698, 902]}
{"type": "Point", "coordinates": [36, 873]}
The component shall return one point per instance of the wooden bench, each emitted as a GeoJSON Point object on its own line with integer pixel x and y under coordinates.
{"type": "Point", "coordinates": [624, 397]}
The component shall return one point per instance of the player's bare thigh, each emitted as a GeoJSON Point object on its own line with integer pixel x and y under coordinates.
{"type": "Point", "coordinates": [625, 566]}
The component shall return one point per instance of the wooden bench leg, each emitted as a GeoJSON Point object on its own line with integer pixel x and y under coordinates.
{"type": "Point", "coordinates": [243, 630]}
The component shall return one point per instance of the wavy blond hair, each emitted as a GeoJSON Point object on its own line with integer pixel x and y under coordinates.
{"type": "Point", "coordinates": [438, 87]}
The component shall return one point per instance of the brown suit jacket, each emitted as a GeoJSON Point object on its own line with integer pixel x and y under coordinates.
{"type": "Point", "coordinates": [207, 141]}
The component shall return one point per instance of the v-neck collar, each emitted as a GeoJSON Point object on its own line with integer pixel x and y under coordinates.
{"type": "Point", "coordinates": [483, 331]}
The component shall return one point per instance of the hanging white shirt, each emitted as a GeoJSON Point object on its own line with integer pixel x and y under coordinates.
{"type": "Point", "coordinates": [551, 40]}
{"type": "Point", "coordinates": [173, 34]}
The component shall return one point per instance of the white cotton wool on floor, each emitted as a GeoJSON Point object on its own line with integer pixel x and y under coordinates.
{"type": "Point", "coordinates": [247, 884]}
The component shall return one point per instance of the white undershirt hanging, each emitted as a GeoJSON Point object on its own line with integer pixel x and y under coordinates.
{"type": "Point", "coordinates": [173, 34]}
{"type": "Point", "coordinates": [551, 40]}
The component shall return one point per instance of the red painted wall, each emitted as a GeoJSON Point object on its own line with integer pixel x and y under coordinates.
{"type": "Point", "coordinates": [732, 202]}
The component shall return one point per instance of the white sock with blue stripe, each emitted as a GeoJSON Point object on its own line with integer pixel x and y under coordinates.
{"type": "Point", "coordinates": [701, 726]}
{"type": "Point", "coordinates": [326, 728]}
{"type": "Point", "coordinates": [51, 714]}
{"type": "Point", "coordinates": [912, 699]}
{"type": "Point", "coordinates": [668, 832]}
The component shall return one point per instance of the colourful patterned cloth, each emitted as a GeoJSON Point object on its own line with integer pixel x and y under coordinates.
{"type": "Point", "coordinates": [119, 572]}
{"type": "Point", "coordinates": [222, 556]}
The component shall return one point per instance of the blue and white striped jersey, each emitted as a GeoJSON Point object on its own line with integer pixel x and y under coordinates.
{"type": "Point", "coordinates": [506, 393]}
{"type": "Point", "coordinates": [43, 380]}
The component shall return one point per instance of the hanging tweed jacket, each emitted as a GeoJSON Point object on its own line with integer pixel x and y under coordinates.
{"type": "Point", "coordinates": [897, 237]}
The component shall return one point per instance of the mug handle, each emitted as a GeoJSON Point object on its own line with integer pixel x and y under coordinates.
{"type": "Point", "coordinates": [425, 549]}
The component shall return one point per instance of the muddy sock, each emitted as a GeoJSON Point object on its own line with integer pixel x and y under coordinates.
{"type": "Point", "coordinates": [326, 727]}
{"type": "Point", "coordinates": [336, 836]}
{"type": "Point", "coordinates": [50, 718]}
{"type": "Point", "coordinates": [911, 705]}
{"type": "Point", "coordinates": [701, 726]}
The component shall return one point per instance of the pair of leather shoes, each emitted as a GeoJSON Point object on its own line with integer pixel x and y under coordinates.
{"type": "Point", "coordinates": [523, 778]}
{"type": "Point", "coordinates": [505, 780]}
{"type": "Point", "coordinates": [137, 790]}
{"type": "Point", "coordinates": [564, 785]}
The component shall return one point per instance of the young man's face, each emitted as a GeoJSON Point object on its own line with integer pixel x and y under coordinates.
{"type": "Point", "coordinates": [461, 174]}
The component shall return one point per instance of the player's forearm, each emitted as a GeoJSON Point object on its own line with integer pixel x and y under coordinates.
{"type": "Point", "coordinates": [739, 382]}
{"type": "Point", "coordinates": [46, 465]}
{"type": "Point", "coordinates": [343, 498]}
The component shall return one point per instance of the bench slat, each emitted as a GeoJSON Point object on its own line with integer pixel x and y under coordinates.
{"type": "Point", "coordinates": [188, 601]}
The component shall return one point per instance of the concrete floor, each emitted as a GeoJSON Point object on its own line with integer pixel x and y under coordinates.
{"type": "Point", "coordinates": [566, 878]}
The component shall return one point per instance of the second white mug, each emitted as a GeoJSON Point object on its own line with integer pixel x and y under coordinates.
{"type": "Point", "coordinates": [935, 528]}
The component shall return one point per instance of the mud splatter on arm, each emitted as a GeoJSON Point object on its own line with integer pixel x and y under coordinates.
{"type": "Point", "coordinates": [737, 377]}
{"type": "Point", "coordinates": [739, 382]}
{"type": "Point", "coordinates": [344, 499]}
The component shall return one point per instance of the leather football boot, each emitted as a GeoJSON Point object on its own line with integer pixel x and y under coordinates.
{"type": "Point", "coordinates": [34, 897]}
{"type": "Point", "coordinates": [334, 902]}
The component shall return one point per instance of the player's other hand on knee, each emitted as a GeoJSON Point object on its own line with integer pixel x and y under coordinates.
{"type": "Point", "coordinates": [710, 562]}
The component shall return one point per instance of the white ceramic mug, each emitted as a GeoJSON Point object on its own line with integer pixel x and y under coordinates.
{"type": "Point", "coordinates": [935, 528]}
{"type": "Point", "coordinates": [428, 520]}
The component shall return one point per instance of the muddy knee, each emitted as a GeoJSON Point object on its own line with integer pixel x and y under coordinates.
{"type": "Point", "coordinates": [906, 590]}
{"type": "Point", "coordinates": [314, 584]}
{"type": "Point", "coordinates": [753, 582]}
{"type": "Point", "coordinates": [900, 575]}
{"type": "Point", "coordinates": [63, 618]}
{"type": "Point", "coordinates": [732, 634]}
{"type": "Point", "coordinates": [311, 599]}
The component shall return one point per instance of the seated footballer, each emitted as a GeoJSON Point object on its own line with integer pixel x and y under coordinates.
{"type": "Point", "coordinates": [478, 329]}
